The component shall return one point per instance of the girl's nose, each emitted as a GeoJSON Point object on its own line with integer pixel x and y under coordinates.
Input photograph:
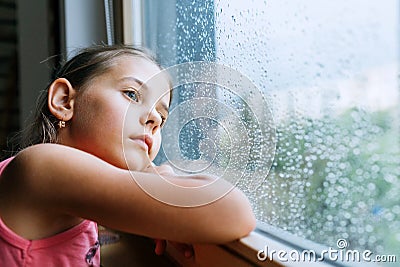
{"type": "Point", "coordinates": [152, 121]}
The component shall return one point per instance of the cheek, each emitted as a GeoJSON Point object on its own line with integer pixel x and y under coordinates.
{"type": "Point", "coordinates": [96, 120]}
{"type": "Point", "coordinates": [101, 122]}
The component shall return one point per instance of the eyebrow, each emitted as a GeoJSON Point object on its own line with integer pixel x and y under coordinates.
{"type": "Point", "coordinates": [136, 80]}
{"type": "Point", "coordinates": [142, 84]}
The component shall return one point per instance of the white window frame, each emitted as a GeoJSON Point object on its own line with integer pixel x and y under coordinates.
{"type": "Point", "coordinates": [132, 22]}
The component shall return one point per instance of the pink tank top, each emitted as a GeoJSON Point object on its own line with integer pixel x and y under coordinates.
{"type": "Point", "coordinates": [78, 246]}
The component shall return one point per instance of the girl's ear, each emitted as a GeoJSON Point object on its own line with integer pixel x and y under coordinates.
{"type": "Point", "coordinates": [61, 99]}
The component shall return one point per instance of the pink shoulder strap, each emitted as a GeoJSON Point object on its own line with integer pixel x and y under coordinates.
{"type": "Point", "coordinates": [4, 164]}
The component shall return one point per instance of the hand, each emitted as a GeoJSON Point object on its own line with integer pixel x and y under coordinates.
{"type": "Point", "coordinates": [163, 169]}
{"type": "Point", "coordinates": [185, 249]}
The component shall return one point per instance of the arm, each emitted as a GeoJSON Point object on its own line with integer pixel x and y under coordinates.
{"type": "Point", "coordinates": [72, 182]}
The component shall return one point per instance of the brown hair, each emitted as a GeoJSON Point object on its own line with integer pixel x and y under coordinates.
{"type": "Point", "coordinates": [79, 70]}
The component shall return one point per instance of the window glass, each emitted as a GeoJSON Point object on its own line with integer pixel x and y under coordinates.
{"type": "Point", "coordinates": [329, 70]}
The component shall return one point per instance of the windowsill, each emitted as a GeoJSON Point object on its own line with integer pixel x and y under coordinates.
{"type": "Point", "coordinates": [139, 251]}
{"type": "Point", "coordinates": [244, 252]}
{"type": "Point", "coordinates": [238, 253]}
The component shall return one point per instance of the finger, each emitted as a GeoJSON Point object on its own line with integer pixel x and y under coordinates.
{"type": "Point", "coordinates": [165, 169]}
{"type": "Point", "coordinates": [186, 249]}
{"type": "Point", "coordinates": [150, 168]}
{"type": "Point", "coordinates": [160, 246]}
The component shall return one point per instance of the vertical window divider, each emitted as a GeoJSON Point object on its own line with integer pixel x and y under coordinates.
{"type": "Point", "coordinates": [133, 26]}
{"type": "Point", "coordinates": [109, 16]}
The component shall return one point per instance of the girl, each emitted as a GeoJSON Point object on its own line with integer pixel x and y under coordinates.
{"type": "Point", "coordinates": [74, 172]}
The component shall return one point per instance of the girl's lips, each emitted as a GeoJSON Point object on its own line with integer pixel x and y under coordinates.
{"type": "Point", "coordinates": [144, 141]}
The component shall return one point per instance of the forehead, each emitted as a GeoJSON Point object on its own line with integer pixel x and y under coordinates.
{"type": "Point", "coordinates": [140, 70]}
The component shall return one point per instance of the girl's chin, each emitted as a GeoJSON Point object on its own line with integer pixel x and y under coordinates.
{"type": "Point", "coordinates": [136, 162]}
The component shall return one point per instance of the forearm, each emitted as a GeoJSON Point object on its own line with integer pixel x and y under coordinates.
{"type": "Point", "coordinates": [84, 186]}
{"type": "Point", "coordinates": [200, 208]}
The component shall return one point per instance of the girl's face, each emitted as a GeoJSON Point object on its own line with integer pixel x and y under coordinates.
{"type": "Point", "coordinates": [117, 117]}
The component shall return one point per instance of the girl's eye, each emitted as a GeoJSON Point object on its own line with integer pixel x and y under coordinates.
{"type": "Point", "coordinates": [132, 94]}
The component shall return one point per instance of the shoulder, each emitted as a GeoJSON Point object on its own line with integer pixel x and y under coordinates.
{"type": "Point", "coordinates": [37, 167]}
{"type": "Point", "coordinates": [40, 152]}
{"type": "Point", "coordinates": [48, 151]}
{"type": "Point", "coordinates": [50, 156]}
{"type": "Point", "coordinates": [32, 190]}
{"type": "Point", "coordinates": [48, 174]}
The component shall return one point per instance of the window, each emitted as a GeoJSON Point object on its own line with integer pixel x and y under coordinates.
{"type": "Point", "coordinates": [329, 72]}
